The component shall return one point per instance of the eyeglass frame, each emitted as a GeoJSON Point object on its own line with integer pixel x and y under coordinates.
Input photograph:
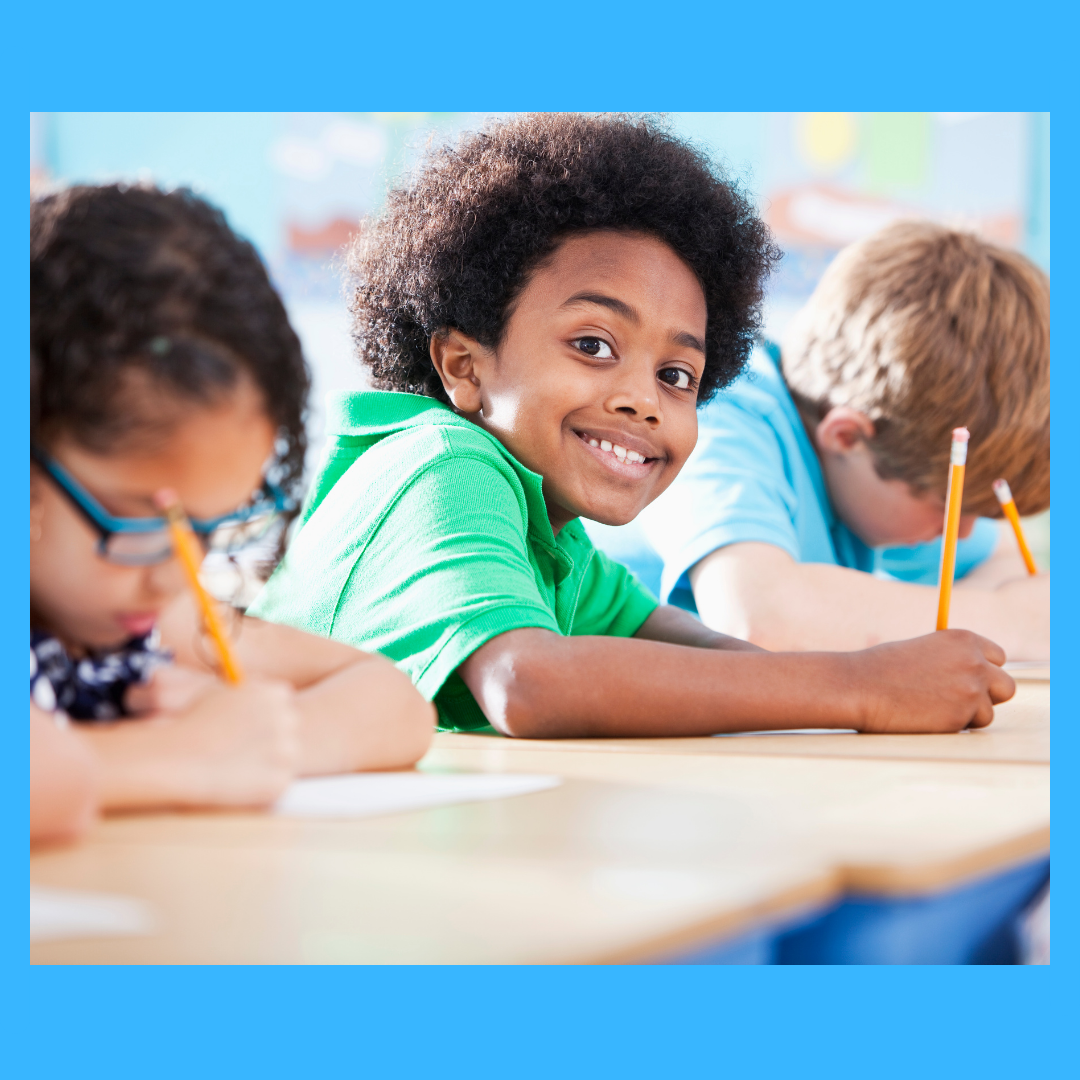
{"type": "Point", "coordinates": [107, 525]}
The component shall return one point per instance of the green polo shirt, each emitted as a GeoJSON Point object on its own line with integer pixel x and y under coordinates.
{"type": "Point", "coordinates": [423, 538]}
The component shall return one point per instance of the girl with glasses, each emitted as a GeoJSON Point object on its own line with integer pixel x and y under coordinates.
{"type": "Point", "coordinates": [161, 357]}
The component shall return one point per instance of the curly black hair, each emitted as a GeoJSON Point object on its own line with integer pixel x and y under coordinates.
{"type": "Point", "coordinates": [131, 278]}
{"type": "Point", "coordinates": [455, 247]}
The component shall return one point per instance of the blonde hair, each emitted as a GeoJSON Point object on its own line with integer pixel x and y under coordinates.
{"type": "Point", "coordinates": [925, 329]}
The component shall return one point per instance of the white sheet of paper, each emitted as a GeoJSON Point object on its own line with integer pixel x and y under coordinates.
{"type": "Point", "coordinates": [360, 795]}
{"type": "Point", "coordinates": [1029, 670]}
{"type": "Point", "coordinates": [69, 913]}
{"type": "Point", "coordinates": [787, 731]}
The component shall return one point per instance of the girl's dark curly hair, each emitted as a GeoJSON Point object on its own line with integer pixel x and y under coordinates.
{"type": "Point", "coordinates": [127, 280]}
{"type": "Point", "coordinates": [455, 247]}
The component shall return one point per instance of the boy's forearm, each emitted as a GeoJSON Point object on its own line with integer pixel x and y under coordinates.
{"type": "Point", "coordinates": [367, 716]}
{"type": "Point", "coordinates": [677, 627]}
{"type": "Point", "coordinates": [759, 592]}
{"type": "Point", "coordinates": [641, 688]}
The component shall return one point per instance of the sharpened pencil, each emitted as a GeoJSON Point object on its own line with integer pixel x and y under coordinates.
{"type": "Point", "coordinates": [187, 549]}
{"type": "Point", "coordinates": [951, 532]}
{"type": "Point", "coordinates": [1005, 497]}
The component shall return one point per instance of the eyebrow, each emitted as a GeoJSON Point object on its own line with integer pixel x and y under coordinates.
{"type": "Point", "coordinates": [688, 341]}
{"type": "Point", "coordinates": [621, 307]}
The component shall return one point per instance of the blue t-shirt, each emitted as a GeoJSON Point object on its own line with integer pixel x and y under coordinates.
{"type": "Point", "coordinates": [754, 476]}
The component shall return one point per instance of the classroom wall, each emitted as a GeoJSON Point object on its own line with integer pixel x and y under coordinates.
{"type": "Point", "coordinates": [296, 184]}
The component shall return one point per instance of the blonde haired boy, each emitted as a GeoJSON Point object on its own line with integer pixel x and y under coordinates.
{"type": "Point", "coordinates": [809, 514]}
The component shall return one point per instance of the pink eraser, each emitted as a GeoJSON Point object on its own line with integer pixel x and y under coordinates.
{"type": "Point", "coordinates": [960, 434]}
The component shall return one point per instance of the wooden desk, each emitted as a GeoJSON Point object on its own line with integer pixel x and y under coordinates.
{"type": "Point", "coordinates": [649, 848]}
{"type": "Point", "coordinates": [888, 828]}
{"type": "Point", "coordinates": [1020, 733]}
{"type": "Point", "coordinates": [589, 871]}
{"type": "Point", "coordinates": [636, 856]}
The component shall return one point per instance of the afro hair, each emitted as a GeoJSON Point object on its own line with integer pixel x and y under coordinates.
{"type": "Point", "coordinates": [455, 247]}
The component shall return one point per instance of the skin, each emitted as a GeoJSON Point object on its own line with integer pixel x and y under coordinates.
{"type": "Point", "coordinates": [621, 348]}
{"type": "Point", "coordinates": [202, 742]}
{"type": "Point", "coordinates": [63, 788]}
{"type": "Point", "coordinates": [759, 592]}
{"type": "Point", "coordinates": [548, 383]}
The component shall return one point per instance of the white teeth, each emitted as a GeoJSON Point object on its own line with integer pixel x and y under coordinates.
{"type": "Point", "coordinates": [614, 448]}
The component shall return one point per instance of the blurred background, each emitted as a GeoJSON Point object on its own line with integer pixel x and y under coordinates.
{"type": "Point", "coordinates": [296, 184]}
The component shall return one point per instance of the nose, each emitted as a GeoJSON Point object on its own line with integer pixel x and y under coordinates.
{"type": "Point", "coordinates": [635, 393]}
{"type": "Point", "coordinates": [164, 579]}
{"type": "Point", "coordinates": [967, 523]}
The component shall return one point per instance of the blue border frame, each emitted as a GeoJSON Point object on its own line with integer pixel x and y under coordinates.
{"type": "Point", "coordinates": [533, 1022]}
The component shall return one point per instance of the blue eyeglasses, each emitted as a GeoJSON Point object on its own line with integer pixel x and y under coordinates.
{"type": "Point", "coordinates": [145, 541]}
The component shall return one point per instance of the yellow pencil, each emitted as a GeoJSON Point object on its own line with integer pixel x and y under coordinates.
{"type": "Point", "coordinates": [951, 532]}
{"type": "Point", "coordinates": [1004, 496]}
{"type": "Point", "coordinates": [187, 549]}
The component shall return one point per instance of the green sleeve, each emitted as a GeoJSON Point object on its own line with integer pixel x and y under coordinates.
{"type": "Point", "coordinates": [423, 565]}
{"type": "Point", "coordinates": [612, 601]}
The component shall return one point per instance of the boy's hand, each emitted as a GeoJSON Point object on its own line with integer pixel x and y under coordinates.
{"type": "Point", "coordinates": [943, 682]}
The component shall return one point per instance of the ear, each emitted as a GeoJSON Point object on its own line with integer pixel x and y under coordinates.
{"type": "Point", "coordinates": [457, 359]}
{"type": "Point", "coordinates": [842, 429]}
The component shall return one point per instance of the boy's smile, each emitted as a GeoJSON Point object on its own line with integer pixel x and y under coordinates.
{"type": "Point", "coordinates": [594, 384]}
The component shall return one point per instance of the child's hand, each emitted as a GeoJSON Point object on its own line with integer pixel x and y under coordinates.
{"type": "Point", "coordinates": [239, 743]}
{"type": "Point", "coordinates": [233, 746]}
{"type": "Point", "coordinates": [942, 682]}
{"type": "Point", "coordinates": [172, 688]}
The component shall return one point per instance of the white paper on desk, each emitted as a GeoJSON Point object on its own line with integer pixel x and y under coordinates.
{"type": "Point", "coordinates": [788, 731]}
{"type": "Point", "coordinates": [360, 795]}
{"type": "Point", "coordinates": [1029, 670]}
{"type": "Point", "coordinates": [56, 914]}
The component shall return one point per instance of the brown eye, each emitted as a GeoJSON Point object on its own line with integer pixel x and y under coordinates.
{"type": "Point", "coordinates": [593, 346]}
{"type": "Point", "coordinates": [676, 378]}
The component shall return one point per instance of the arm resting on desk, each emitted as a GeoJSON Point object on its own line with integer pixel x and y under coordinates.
{"type": "Point", "coordinates": [760, 593]}
{"type": "Point", "coordinates": [357, 711]}
{"type": "Point", "coordinates": [63, 789]}
{"type": "Point", "coordinates": [535, 683]}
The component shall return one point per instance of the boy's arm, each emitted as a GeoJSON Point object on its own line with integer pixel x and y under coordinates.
{"type": "Point", "coordinates": [677, 627]}
{"type": "Point", "coordinates": [535, 683]}
{"type": "Point", "coordinates": [357, 711]}
{"type": "Point", "coordinates": [760, 593]}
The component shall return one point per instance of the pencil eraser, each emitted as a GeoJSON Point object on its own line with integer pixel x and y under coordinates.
{"type": "Point", "coordinates": [960, 434]}
{"type": "Point", "coordinates": [1002, 491]}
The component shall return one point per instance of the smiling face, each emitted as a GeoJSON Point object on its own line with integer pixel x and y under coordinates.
{"type": "Point", "coordinates": [213, 458]}
{"type": "Point", "coordinates": [594, 385]}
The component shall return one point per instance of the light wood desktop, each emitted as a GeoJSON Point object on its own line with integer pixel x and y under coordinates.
{"type": "Point", "coordinates": [634, 857]}
{"type": "Point", "coordinates": [648, 849]}
{"type": "Point", "coordinates": [585, 872]}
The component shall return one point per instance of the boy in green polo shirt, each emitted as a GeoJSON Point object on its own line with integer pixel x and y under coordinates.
{"type": "Point", "coordinates": [552, 300]}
